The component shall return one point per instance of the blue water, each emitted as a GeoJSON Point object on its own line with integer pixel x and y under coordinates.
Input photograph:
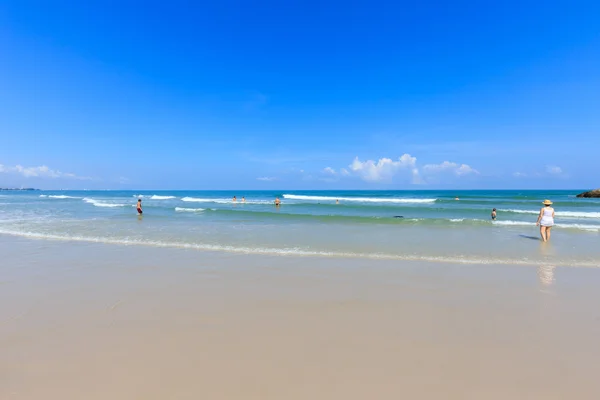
{"type": "Point", "coordinates": [428, 225]}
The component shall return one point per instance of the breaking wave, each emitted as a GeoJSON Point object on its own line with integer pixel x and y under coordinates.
{"type": "Point", "coordinates": [358, 199]}
{"type": "Point", "coordinates": [99, 203]}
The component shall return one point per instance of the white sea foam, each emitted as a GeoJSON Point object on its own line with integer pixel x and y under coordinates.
{"type": "Point", "coordinates": [62, 197]}
{"type": "Point", "coordinates": [572, 214]}
{"type": "Point", "coordinates": [295, 252]}
{"type": "Point", "coordinates": [43, 195]}
{"type": "Point", "coordinates": [513, 223]}
{"type": "Point", "coordinates": [457, 219]}
{"type": "Point", "coordinates": [357, 199]}
{"type": "Point", "coordinates": [99, 203]}
{"type": "Point", "coordinates": [198, 200]}
{"type": "Point", "coordinates": [157, 197]}
{"type": "Point", "coordinates": [591, 228]}
{"type": "Point", "coordinates": [224, 201]}
{"type": "Point", "coordinates": [182, 209]}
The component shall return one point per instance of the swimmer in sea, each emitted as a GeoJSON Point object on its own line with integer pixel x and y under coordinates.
{"type": "Point", "coordinates": [277, 202]}
{"type": "Point", "coordinates": [494, 214]}
{"type": "Point", "coordinates": [234, 199]}
{"type": "Point", "coordinates": [337, 201]}
{"type": "Point", "coordinates": [243, 199]}
{"type": "Point", "coordinates": [139, 206]}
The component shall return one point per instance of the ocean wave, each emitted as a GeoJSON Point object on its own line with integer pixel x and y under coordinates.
{"type": "Point", "coordinates": [198, 200]}
{"type": "Point", "coordinates": [156, 197]}
{"type": "Point", "coordinates": [182, 209]}
{"type": "Point", "coordinates": [573, 214]}
{"type": "Point", "coordinates": [357, 199]}
{"type": "Point", "coordinates": [224, 201]}
{"type": "Point", "coordinates": [294, 252]}
{"type": "Point", "coordinates": [60, 197]}
{"type": "Point", "coordinates": [591, 228]}
{"type": "Point", "coordinates": [99, 203]}
{"type": "Point", "coordinates": [384, 220]}
{"type": "Point", "coordinates": [513, 223]}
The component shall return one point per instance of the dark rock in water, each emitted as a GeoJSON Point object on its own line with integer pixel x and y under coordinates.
{"type": "Point", "coordinates": [591, 193]}
{"type": "Point", "coordinates": [398, 216]}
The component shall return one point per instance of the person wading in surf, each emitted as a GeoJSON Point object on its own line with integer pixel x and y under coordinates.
{"type": "Point", "coordinates": [546, 220]}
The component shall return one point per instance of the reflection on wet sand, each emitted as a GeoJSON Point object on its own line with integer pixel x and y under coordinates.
{"type": "Point", "coordinates": [546, 274]}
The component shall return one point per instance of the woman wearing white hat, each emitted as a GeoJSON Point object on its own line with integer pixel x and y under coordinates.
{"type": "Point", "coordinates": [546, 220]}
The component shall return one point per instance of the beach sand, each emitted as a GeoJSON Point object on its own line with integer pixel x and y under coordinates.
{"type": "Point", "coordinates": [92, 321]}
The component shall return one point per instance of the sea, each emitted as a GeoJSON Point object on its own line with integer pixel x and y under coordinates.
{"type": "Point", "coordinates": [445, 226]}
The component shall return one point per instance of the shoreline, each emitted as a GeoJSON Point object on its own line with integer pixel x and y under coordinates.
{"type": "Point", "coordinates": [274, 252]}
{"type": "Point", "coordinates": [442, 231]}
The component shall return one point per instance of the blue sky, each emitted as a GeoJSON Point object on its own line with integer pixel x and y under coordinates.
{"type": "Point", "coordinates": [299, 94]}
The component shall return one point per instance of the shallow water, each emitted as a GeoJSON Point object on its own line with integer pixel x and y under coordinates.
{"type": "Point", "coordinates": [420, 225]}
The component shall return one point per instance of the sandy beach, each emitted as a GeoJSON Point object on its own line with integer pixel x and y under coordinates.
{"type": "Point", "coordinates": [95, 321]}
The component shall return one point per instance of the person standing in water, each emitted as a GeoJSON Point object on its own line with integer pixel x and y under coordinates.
{"type": "Point", "coordinates": [243, 199]}
{"type": "Point", "coordinates": [546, 220]}
{"type": "Point", "coordinates": [277, 202]}
{"type": "Point", "coordinates": [234, 199]}
{"type": "Point", "coordinates": [139, 206]}
{"type": "Point", "coordinates": [494, 214]}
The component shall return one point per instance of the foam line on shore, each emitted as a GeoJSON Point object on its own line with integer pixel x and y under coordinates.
{"type": "Point", "coordinates": [295, 252]}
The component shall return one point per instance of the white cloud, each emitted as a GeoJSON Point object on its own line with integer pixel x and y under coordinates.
{"type": "Point", "coordinates": [465, 169]}
{"type": "Point", "coordinates": [384, 169]}
{"type": "Point", "coordinates": [554, 170]}
{"type": "Point", "coordinates": [447, 166]}
{"type": "Point", "coordinates": [40, 172]}
{"type": "Point", "coordinates": [329, 171]}
{"type": "Point", "coordinates": [266, 179]}
{"type": "Point", "coordinates": [519, 175]}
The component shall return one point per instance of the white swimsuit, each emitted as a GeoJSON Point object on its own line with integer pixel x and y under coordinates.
{"type": "Point", "coordinates": [547, 219]}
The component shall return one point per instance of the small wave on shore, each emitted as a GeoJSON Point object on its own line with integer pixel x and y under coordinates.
{"type": "Point", "coordinates": [571, 214]}
{"type": "Point", "coordinates": [286, 251]}
{"type": "Point", "coordinates": [591, 228]}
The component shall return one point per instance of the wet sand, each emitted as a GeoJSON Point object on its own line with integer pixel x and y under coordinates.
{"type": "Point", "coordinates": [93, 321]}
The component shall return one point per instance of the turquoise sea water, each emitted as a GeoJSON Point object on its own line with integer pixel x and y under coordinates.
{"type": "Point", "coordinates": [428, 225]}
